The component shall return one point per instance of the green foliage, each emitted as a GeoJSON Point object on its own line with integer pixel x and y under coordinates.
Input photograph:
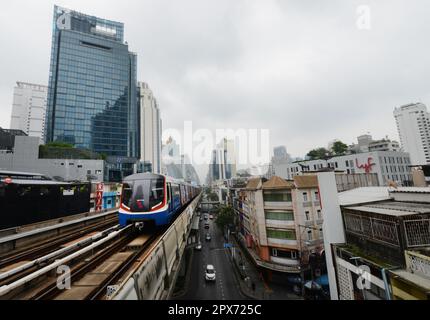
{"type": "Point", "coordinates": [59, 144]}
{"type": "Point", "coordinates": [225, 216]}
{"type": "Point", "coordinates": [62, 150]}
{"type": "Point", "coordinates": [339, 148]}
{"type": "Point", "coordinates": [319, 153]}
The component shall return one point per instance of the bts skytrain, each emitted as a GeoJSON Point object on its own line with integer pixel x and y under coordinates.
{"type": "Point", "coordinates": [153, 198]}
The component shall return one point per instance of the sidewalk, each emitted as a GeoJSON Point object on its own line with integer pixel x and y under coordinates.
{"type": "Point", "coordinates": [251, 281]}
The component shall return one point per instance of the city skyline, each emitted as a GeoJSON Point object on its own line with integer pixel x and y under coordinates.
{"type": "Point", "coordinates": [214, 151]}
{"type": "Point", "coordinates": [234, 73]}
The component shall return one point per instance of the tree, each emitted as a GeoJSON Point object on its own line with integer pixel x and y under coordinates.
{"type": "Point", "coordinates": [319, 153]}
{"type": "Point", "coordinates": [59, 144]}
{"type": "Point", "coordinates": [339, 148]}
{"type": "Point", "coordinates": [225, 216]}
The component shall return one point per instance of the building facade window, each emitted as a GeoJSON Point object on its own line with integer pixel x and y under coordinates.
{"type": "Point", "coordinates": [307, 215]}
{"type": "Point", "coordinates": [305, 196]}
{"type": "Point", "coordinates": [281, 234]}
{"type": "Point", "coordinates": [317, 196]}
{"type": "Point", "coordinates": [284, 254]}
{"type": "Point", "coordinates": [277, 196]}
{"type": "Point", "coordinates": [280, 215]}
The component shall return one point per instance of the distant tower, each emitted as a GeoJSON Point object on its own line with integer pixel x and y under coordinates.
{"type": "Point", "coordinates": [223, 164]}
{"type": "Point", "coordinates": [29, 109]}
{"type": "Point", "coordinates": [150, 129]}
{"type": "Point", "coordinates": [413, 125]}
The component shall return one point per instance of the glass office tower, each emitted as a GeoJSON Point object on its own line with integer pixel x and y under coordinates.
{"type": "Point", "coordinates": [92, 94]}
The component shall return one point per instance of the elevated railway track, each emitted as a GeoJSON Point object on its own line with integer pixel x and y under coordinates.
{"type": "Point", "coordinates": [97, 260]}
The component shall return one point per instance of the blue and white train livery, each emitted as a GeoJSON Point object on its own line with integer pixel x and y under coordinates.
{"type": "Point", "coordinates": [153, 198]}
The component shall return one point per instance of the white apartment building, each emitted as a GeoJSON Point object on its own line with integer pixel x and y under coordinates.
{"type": "Point", "coordinates": [29, 109]}
{"type": "Point", "coordinates": [413, 125]}
{"type": "Point", "coordinates": [150, 128]}
{"type": "Point", "coordinates": [281, 222]}
{"type": "Point", "coordinates": [389, 166]}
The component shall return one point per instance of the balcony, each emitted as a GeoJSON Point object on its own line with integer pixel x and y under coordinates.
{"type": "Point", "coordinates": [281, 242]}
{"type": "Point", "coordinates": [285, 261]}
{"type": "Point", "coordinates": [309, 223]}
{"type": "Point", "coordinates": [313, 243]}
{"type": "Point", "coordinates": [280, 223]}
{"type": "Point", "coordinates": [282, 205]}
{"type": "Point", "coordinates": [307, 204]}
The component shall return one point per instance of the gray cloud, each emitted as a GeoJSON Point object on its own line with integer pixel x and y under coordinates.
{"type": "Point", "coordinates": [299, 68]}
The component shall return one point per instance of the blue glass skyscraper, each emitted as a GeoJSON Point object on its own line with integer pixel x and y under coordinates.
{"type": "Point", "coordinates": [92, 94]}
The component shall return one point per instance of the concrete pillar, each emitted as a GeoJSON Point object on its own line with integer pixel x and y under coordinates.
{"type": "Point", "coordinates": [332, 226]}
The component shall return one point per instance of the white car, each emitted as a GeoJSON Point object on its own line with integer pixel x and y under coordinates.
{"type": "Point", "coordinates": [210, 273]}
{"type": "Point", "coordinates": [198, 246]}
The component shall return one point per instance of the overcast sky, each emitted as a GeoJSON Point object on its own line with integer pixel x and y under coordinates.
{"type": "Point", "coordinates": [302, 69]}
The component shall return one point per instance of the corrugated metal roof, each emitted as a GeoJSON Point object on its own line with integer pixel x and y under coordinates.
{"type": "Point", "coordinates": [38, 182]}
{"type": "Point", "coordinates": [384, 211]}
{"type": "Point", "coordinates": [411, 189]}
{"type": "Point", "coordinates": [363, 195]}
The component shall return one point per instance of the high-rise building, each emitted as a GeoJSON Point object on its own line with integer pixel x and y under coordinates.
{"type": "Point", "coordinates": [171, 149]}
{"type": "Point", "coordinates": [92, 94]}
{"type": "Point", "coordinates": [150, 129]}
{"type": "Point", "coordinates": [223, 164]}
{"type": "Point", "coordinates": [413, 125]}
{"type": "Point", "coordinates": [29, 109]}
{"type": "Point", "coordinates": [280, 153]}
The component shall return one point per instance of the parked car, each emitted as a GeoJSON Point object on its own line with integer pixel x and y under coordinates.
{"type": "Point", "coordinates": [198, 246]}
{"type": "Point", "coordinates": [211, 217]}
{"type": "Point", "coordinates": [210, 273]}
{"type": "Point", "coordinates": [208, 237]}
{"type": "Point", "coordinates": [206, 225]}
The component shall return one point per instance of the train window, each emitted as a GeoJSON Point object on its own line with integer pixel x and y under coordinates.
{"type": "Point", "coordinates": [157, 192]}
{"type": "Point", "coordinates": [144, 195]}
{"type": "Point", "coordinates": [176, 191]}
{"type": "Point", "coordinates": [127, 192]}
{"type": "Point", "coordinates": [168, 192]}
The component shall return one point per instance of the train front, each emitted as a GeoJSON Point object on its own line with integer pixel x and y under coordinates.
{"type": "Point", "coordinates": [144, 200]}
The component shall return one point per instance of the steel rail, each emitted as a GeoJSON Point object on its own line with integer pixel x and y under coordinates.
{"type": "Point", "coordinates": [44, 246]}
{"type": "Point", "coordinates": [9, 287]}
{"type": "Point", "coordinates": [57, 253]}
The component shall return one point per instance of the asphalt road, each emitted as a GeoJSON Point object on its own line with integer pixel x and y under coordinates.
{"type": "Point", "coordinates": [225, 287]}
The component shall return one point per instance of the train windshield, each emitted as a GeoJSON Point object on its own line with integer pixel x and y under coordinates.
{"type": "Point", "coordinates": [143, 195]}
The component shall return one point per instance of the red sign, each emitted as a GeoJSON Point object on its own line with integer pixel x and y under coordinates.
{"type": "Point", "coordinates": [367, 166]}
{"type": "Point", "coordinates": [99, 197]}
{"type": "Point", "coordinates": [7, 180]}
